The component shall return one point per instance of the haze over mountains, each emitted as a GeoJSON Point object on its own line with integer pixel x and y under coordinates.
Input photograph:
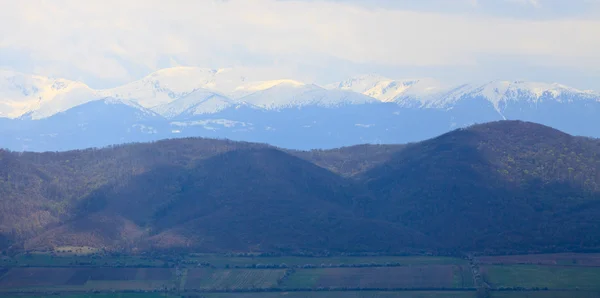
{"type": "Point", "coordinates": [501, 187]}
{"type": "Point", "coordinates": [39, 113]}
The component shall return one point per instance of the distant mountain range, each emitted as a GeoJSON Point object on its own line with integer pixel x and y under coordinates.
{"type": "Point", "coordinates": [39, 113]}
{"type": "Point", "coordinates": [502, 187]}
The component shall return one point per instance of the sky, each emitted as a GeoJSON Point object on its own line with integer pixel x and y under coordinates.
{"type": "Point", "coordinates": [105, 43]}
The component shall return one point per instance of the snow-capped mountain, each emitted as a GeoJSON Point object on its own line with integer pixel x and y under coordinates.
{"type": "Point", "coordinates": [39, 97]}
{"type": "Point", "coordinates": [499, 92]}
{"type": "Point", "coordinates": [429, 93]}
{"type": "Point", "coordinates": [199, 102]}
{"type": "Point", "coordinates": [388, 90]}
{"type": "Point", "coordinates": [274, 95]}
{"type": "Point", "coordinates": [39, 113]}
{"type": "Point", "coordinates": [166, 85]}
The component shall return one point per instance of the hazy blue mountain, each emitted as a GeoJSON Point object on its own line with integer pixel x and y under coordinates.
{"type": "Point", "coordinates": [55, 114]}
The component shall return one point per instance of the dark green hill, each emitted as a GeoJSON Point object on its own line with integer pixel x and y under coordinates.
{"type": "Point", "coordinates": [40, 190]}
{"type": "Point", "coordinates": [501, 187]}
{"type": "Point", "coordinates": [350, 161]}
{"type": "Point", "coordinates": [243, 200]}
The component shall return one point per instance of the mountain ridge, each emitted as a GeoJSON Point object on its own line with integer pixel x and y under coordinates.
{"type": "Point", "coordinates": [223, 103]}
{"type": "Point", "coordinates": [166, 85]}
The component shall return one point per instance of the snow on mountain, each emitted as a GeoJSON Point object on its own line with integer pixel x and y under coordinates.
{"type": "Point", "coordinates": [199, 102]}
{"type": "Point", "coordinates": [142, 111]}
{"type": "Point", "coordinates": [39, 96]}
{"type": "Point", "coordinates": [360, 84]}
{"type": "Point", "coordinates": [253, 87]}
{"type": "Point", "coordinates": [388, 90]}
{"type": "Point", "coordinates": [429, 93]}
{"type": "Point", "coordinates": [281, 94]}
{"type": "Point", "coordinates": [58, 114]}
{"type": "Point", "coordinates": [534, 92]}
{"type": "Point", "coordinates": [194, 91]}
{"type": "Point", "coordinates": [375, 86]}
{"type": "Point", "coordinates": [164, 86]}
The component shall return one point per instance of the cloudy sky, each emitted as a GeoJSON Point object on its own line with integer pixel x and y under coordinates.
{"type": "Point", "coordinates": [108, 42]}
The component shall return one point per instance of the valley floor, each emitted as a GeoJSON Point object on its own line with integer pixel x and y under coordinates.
{"type": "Point", "coordinates": [199, 275]}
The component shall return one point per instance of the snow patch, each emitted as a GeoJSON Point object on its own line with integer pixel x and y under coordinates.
{"type": "Point", "coordinates": [145, 129]}
{"type": "Point", "coordinates": [208, 122]}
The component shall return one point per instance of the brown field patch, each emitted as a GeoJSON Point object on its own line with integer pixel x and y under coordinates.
{"type": "Point", "coordinates": [437, 276]}
{"type": "Point", "coordinates": [36, 277]}
{"type": "Point", "coordinates": [565, 259]}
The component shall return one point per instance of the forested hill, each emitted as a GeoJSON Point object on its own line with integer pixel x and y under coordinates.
{"type": "Point", "coordinates": [501, 187]}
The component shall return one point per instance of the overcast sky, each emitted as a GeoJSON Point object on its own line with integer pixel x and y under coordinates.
{"type": "Point", "coordinates": [109, 42]}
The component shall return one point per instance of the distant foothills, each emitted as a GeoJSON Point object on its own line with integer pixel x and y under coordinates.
{"type": "Point", "coordinates": [45, 114]}
{"type": "Point", "coordinates": [500, 187]}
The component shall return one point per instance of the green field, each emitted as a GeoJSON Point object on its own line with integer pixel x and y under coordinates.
{"type": "Point", "coordinates": [423, 276]}
{"type": "Point", "coordinates": [407, 294]}
{"type": "Point", "coordinates": [111, 295]}
{"type": "Point", "coordinates": [221, 261]}
{"type": "Point", "coordinates": [210, 275]}
{"type": "Point", "coordinates": [369, 294]}
{"type": "Point", "coordinates": [564, 259]}
{"type": "Point", "coordinates": [86, 279]}
{"type": "Point", "coordinates": [546, 294]}
{"type": "Point", "coordinates": [552, 277]}
{"type": "Point", "coordinates": [222, 279]}
{"type": "Point", "coordinates": [342, 295]}
{"type": "Point", "coordinates": [50, 260]}
{"type": "Point", "coordinates": [95, 260]}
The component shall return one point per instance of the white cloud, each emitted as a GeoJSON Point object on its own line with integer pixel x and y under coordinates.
{"type": "Point", "coordinates": [100, 38]}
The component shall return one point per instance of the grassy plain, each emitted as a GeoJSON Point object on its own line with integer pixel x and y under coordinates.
{"type": "Point", "coordinates": [222, 279]}
{"type": "Point", "coordinates": [431, 276]}
{"type": "Point", "coordinates": [45, 259]}
{"type": "Point", "coordinates": [552, 277]}
{"type": "Point", "coordinates": [580, 278]}
{"type": "Point", "coordinates": [72, 260]}
{"type": "Point", "coordinates": [368, 294]}
{"type": "Point", "coordinates": [546, 294]}
{"type": "Point", "coordinates": [86, 279]}
{"type": "Point", "coordinates": [564, 259]}
{"type": "Point", "coordinates": [100, 295]}
{"type": "Point", "coordinates": [221, 261]}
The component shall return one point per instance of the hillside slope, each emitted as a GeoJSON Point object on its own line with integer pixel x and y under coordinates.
{"type": "Point", "coordinates": [244, 200]}
{"type": "Point", "coordinates": [499, 187]}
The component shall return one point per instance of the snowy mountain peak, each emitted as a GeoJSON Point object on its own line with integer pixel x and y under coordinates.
{"type": "Point", "coordinates": [39, 96]}
{"type": "Point", "coordinates": [429, 93]}
{"type": "Point", "coordinates": [381, 88]}
{"type": "Point", "coordinates": [503, 91]}
{"type": "Point", "coordinates": [359, 83]}
{"type": "Point", "coordinates": [166, 85]}
{"type": "Point", "coordinates": [292, 94]}
{"type": "Point", "coordinates": [195, 91]}
{"type": "Point", "coordinates": [252, 87]}
{"type": "Point", "coordinates": [199, 102]}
